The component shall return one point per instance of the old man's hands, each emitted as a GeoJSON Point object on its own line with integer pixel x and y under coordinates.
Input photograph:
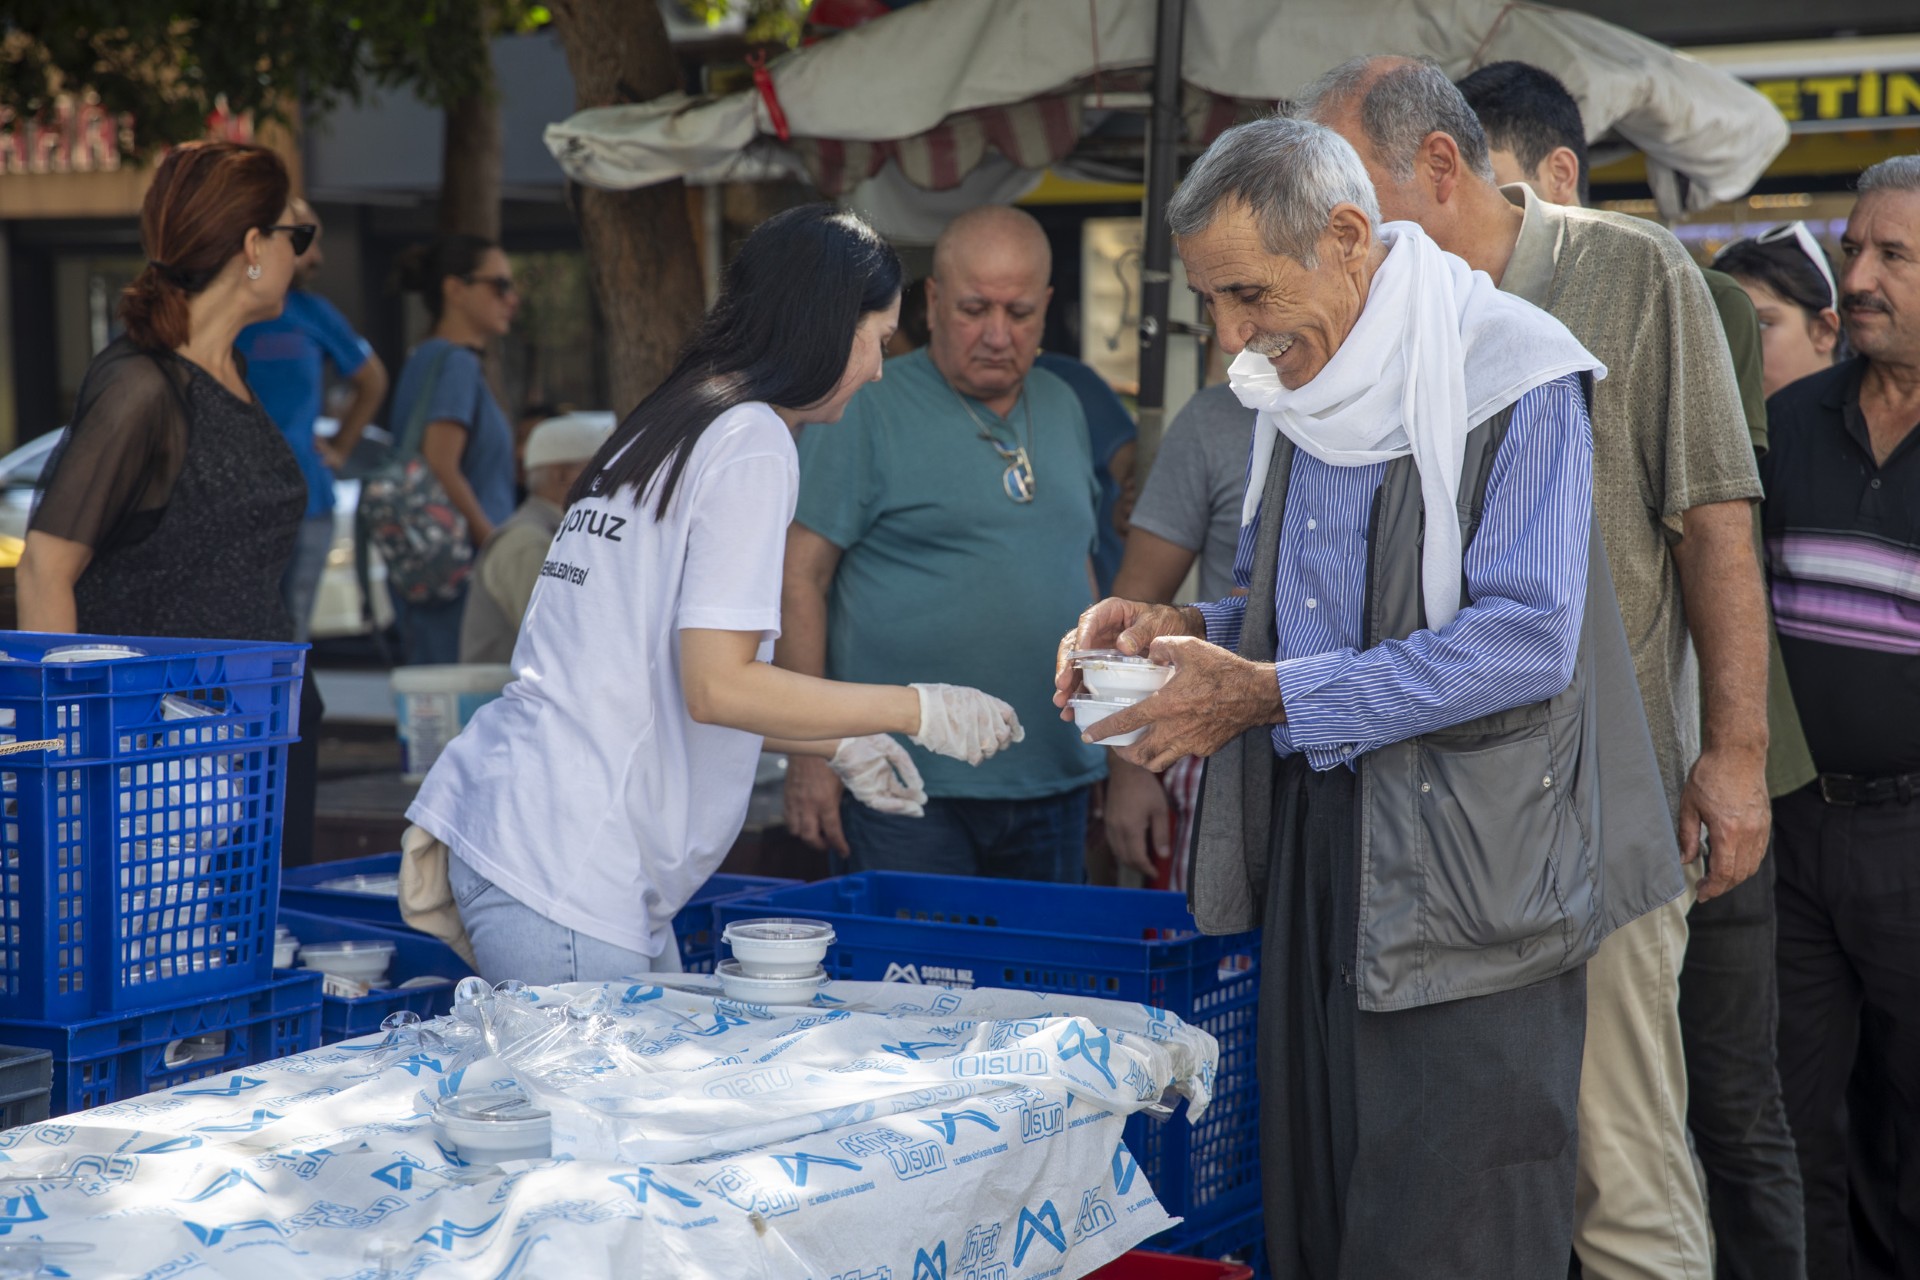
{"type": "Point", "coordinates": [1213, 697]}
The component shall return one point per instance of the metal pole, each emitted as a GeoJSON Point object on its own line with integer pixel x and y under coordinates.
{"type": "Point", "coordinates": [1163, 171]}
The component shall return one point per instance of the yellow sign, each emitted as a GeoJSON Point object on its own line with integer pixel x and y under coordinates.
{"type": "Point", "coordinates": [1866, 95]}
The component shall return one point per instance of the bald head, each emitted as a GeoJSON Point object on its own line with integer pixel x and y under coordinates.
{"type": "Point", "coordinates": [987, 302]}
{"type": "Point", "coordinates": [995, 232]}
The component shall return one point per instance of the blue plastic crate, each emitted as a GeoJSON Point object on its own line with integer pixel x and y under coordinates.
{"type": "Point", "coordinates": [1117, 944]}
{"type": "Point", "coordinates": [111, 1059]}
{"type": "Point", "coordinates": [695, 926]}
{"type": "Point", "coordinates": [415, 955]}
{"type": "Point", "coordinates": [300, 890]}
{"type": "Point", "coordinates": [142, 857]}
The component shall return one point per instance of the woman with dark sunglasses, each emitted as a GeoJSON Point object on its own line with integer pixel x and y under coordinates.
{"type": "Point", "coordinates": [172, 505]}
{"type": "Point", "coordinates": [443, 401]}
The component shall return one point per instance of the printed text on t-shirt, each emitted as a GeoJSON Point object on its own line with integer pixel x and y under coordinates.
{"type": "Point", "coordinates": [599, 524]}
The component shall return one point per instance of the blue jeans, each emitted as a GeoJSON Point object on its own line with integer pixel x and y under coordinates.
{"type": "Point", "coordinates": [512, 940]}
{"type": "Point", "coordinates": [1043, 839]}
{"type": "Point", "coordinates": [429, 633]}
{"type": "Point", "coordinates": [301, 581]}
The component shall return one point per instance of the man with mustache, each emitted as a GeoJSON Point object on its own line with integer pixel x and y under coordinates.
{"type": "Point", "coordinates": [1430, 780]}
{"type": "Point", "coordinates": [1842, 522]}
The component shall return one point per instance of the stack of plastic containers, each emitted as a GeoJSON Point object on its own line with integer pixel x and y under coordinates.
{"type": "Point", "coordinates": [775, 961]}
{"type": "Point", "coordinates": [143, 782]}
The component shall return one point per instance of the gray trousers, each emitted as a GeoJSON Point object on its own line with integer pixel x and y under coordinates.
{"type": "Point", "coordinates": [1427, 1143]}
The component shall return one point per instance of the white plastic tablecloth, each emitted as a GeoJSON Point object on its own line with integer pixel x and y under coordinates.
{"type": "Point", "coordinates": [883, 1133]}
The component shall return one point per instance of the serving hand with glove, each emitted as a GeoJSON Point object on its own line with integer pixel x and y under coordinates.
{"type": "Point", "coordinates": [1212, 697]}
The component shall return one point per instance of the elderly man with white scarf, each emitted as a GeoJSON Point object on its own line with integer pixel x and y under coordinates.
{"type": "Point", "coordinates": [1430, 778]}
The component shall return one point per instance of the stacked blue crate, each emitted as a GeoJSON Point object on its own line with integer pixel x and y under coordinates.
{"type": "Point", "coordinates": [145, 792]}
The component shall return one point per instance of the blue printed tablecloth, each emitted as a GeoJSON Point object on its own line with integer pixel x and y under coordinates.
{"type": "Point", "coordinates": [882, 1133]}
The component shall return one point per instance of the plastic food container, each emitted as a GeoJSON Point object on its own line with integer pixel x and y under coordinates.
{"type": "Point", "coordinates": [91, 653]}
{"type": "Point", "coordinates": [362, 961]}
{"type": "Point", "coordinates": [387, 886]}
{"type": "Point", "coordinates": [487, 1128]}
{"type": "Point", "coordinates": [285, 947]}
{"type": "Point", "coordinates": [748, 989]}
{"type": "Point", "coordinates": [1088, 712]}
{"type": "Point", "coordinates": [778, 948]}
{"type": "Point", "coordinates": [1114, 676]}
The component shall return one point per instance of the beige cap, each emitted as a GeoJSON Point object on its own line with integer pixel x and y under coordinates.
{"type": "Point", "coordinates": [571, 437]}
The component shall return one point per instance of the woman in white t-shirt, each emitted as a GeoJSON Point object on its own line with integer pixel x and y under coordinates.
{"type": "Point", "coordinates": [579, 811]}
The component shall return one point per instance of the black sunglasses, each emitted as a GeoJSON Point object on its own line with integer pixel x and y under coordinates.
{"type": "Point", "coordinates": [502, 285]}
{"type": "Point", "coordinates": [299, 234]}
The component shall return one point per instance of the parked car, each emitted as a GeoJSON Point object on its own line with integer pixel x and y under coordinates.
{"type": "Point", "coordinates": [337, 605]}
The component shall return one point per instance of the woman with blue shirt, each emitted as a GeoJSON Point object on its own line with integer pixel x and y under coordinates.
{"type": "Point", "coordinates": [467, 285]}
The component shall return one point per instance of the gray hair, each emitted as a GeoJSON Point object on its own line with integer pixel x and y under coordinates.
{"type": "Point", "coordinates": [1289, 173]}
{"type": "Point", "coordinates": [1897, 173]}
{"type": "Point", "coordinates": [1399, 108]}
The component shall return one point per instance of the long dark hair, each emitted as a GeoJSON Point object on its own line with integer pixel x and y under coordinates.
{"type": "Point", "coordinates": [780, 333]}
{"type": "Point", "coordinates": [420, 268]}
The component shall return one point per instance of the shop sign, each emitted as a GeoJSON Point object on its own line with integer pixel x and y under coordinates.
{"type": "Point", "coordinates": [1865, 96]}
{"type": "Point", "coordinates": [78, 135]}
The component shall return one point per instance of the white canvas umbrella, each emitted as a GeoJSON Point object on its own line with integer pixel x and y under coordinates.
{"type": "Point", "coordinates": [940, 86]}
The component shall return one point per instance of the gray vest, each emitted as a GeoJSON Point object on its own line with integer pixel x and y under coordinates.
{"type": "Point", "coordinates": [1493, 853]}
{"type": "Point", "coordinates": [487, 630]}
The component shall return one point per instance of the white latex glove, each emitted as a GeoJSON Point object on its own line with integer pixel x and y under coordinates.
{"type": "Point", "coordinates": [881, 775]}
{"type": "Point", "coordinates": [964, 723]}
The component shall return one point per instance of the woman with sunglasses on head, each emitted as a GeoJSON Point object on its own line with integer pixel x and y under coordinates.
{"type": "Point", "coordinates": [462, 434]}
{"type": "Point", "coordinates": [1786, 273]}
{"type": "Point", "coordinates": [577, 813]}
{"type": "Point", "coordinates": [172, 504]}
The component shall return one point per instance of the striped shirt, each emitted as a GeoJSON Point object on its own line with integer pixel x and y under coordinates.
{"type": "Point", "coordinates": [1843, 562]}
{"type": "Point", "coordinates": [1514, 643]}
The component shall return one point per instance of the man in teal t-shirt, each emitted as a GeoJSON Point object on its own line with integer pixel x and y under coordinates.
{"type": "Point", "coordinates": [944, 533]}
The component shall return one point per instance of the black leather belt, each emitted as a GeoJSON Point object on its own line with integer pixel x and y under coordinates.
{"type": "Point", "coordinates": [1850, 789]}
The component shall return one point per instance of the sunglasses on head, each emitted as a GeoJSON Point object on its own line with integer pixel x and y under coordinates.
{"type": "Point", "coordinates": [299, 234]}
{"type": "Point", "coordinates": [502, 285]}
{"type": "Point", "coordinates": [1800, 235]}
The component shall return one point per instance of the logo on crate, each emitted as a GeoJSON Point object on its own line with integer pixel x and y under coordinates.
{"type": "Point", "coordinates": [978, 1256]}
{"type": "Point", "coordinates": [643, 1182]}
{"type": "Point", "coordinates": [930, 974]}
{"type": "Point", "coordinates": [948, 1125]}
{"type": "Point", "coordinates": [931, 1266]}
{"type": "Point", "coordinates": [20, 1211]}
{"type": "Point", "coordinates": [1096, 1215]}
{"type": "Point", "coordinates": [1042, 1224]}
{"type": "Point", "coordinates": [798, 1165]}
{"type": "Point", "coordinates": [1125, 1169]}
{"type": "Point", "coordinates": [225, 1182]}
{"type": "Point", "coordinates": [1076, 1043]}
{"type": "Point", "coordinates": [1048, 1121]}
{"type": "Point", "coordinates": [743, 1191]}
{"type": "Point", "coordinates": [752, 1084]}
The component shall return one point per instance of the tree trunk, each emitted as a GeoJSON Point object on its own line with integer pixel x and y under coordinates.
{"type": "Point", "coordinates": [470, 167]}
{"type": "Point", "coordinates": [640, 245]}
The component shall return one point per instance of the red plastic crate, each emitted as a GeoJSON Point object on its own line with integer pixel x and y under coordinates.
{"type": "Point", "coordinates": [1142, 1264]}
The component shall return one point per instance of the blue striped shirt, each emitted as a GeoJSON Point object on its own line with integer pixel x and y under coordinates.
{"type": "Point", "coordinates": [1513, 644]}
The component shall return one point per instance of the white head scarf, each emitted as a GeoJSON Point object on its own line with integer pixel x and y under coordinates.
{"type": "Point", "coordinates": [1437, 349]}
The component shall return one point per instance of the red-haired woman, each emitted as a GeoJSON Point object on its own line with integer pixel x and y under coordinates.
{"type": "Point", "coordinates": [172, 505]}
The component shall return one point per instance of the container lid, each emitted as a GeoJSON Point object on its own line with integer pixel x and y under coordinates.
{"type": "Point", "coordinates": [733, 976]}
{"type": "Point", "coordinates": [380, 886]}
{"type": "Point", "coordinates": [1104, 704]}
{"type": "Point", "coordinates": [91, 653]}
{"type": "Point", "coordinates": [359, 948]}
{"type": "Point", "coordinates": [490, 1108]}
{"type": "Point", "coordinates": [1110, 657]}
{"type": "Point", "coordinates": [801, 935]}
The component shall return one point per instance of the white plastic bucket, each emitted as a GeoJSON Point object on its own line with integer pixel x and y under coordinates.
{"type": "Point", "coordinates": [432, 705]}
